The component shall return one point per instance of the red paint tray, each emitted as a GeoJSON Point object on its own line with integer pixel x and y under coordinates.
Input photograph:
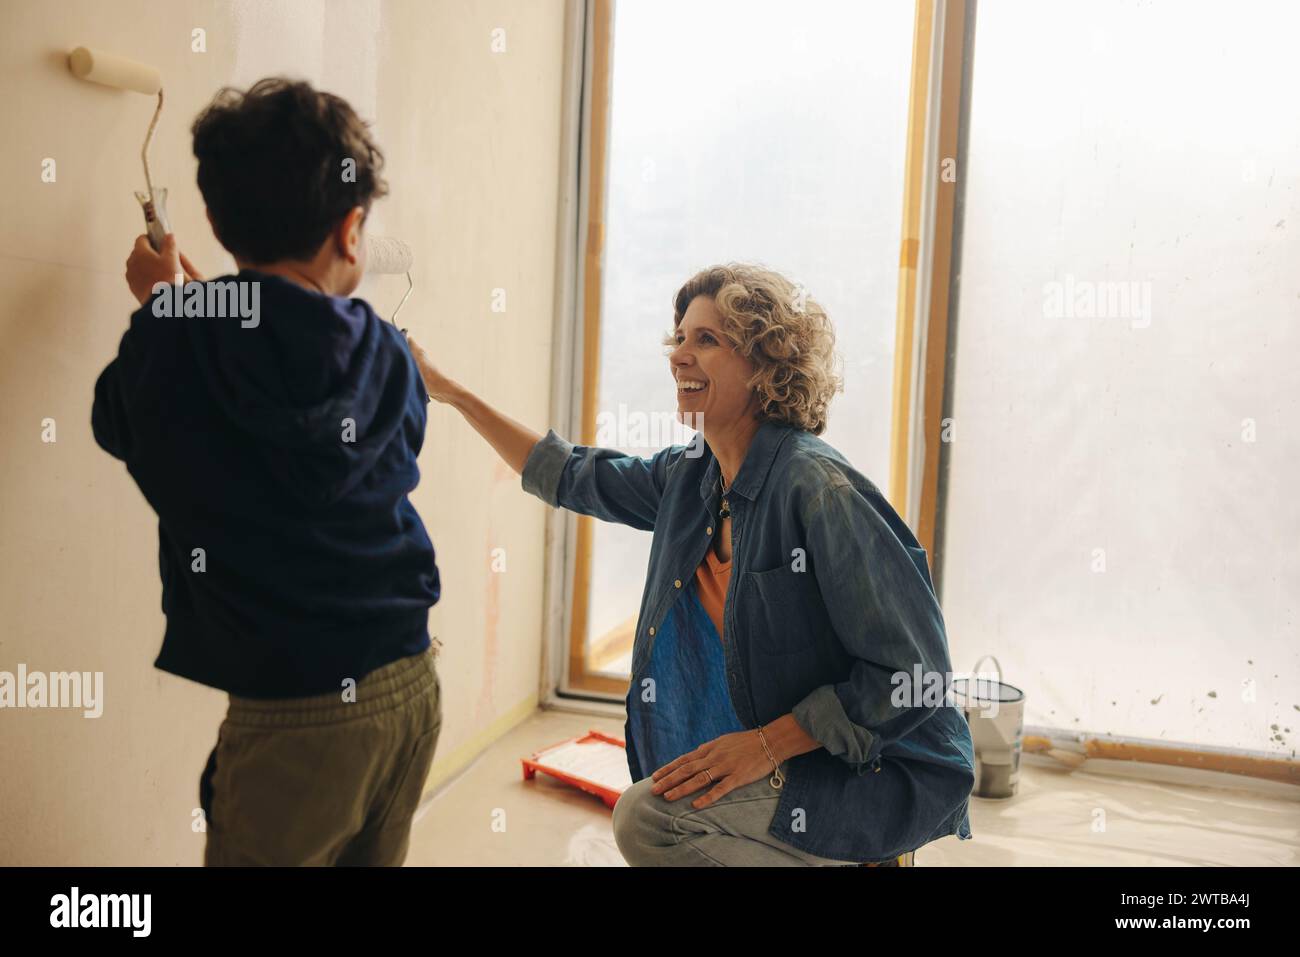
{"type": "Point", "coordinates": [595, 763]}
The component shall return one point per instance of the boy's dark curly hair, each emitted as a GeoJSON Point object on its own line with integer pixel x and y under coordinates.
{"type": "Point", "coordinates": [280, 165]}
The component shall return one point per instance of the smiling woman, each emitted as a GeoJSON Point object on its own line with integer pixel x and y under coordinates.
{"type": "Point", "coordinates": [783, 598]}
{"type": "Point", "coordinates": [772, 327]}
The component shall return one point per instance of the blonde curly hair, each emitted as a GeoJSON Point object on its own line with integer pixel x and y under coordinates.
{"type": "Point", "coordinates": [785, 333]}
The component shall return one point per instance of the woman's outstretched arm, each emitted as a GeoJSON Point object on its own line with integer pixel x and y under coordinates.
{"type": "Point", "coordinates": [604, 483]}
{"type": "Point", "coordinates": [512, 440]}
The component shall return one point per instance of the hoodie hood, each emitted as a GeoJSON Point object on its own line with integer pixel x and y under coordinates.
{"type": "Point", "coordinates": [319, 384]}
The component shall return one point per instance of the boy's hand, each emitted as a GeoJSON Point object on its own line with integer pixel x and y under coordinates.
{"type": "Point", "coordinates": [145, 268]}
{"type": "Point", "coordinates": [435, 383]}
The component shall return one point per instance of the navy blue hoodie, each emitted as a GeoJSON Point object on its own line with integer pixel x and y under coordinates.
{"type": "Point", "coordinates": [317, 567]}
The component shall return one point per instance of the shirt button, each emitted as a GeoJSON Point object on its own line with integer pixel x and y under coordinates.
{"type": "Point", "coordinates": [709, 530]}
{"type": "Point", "coordinates": [677, 583]}
{"type": "Point", "coordinates": [652, 631]}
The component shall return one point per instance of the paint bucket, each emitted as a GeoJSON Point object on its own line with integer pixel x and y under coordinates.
{"type": "Point", "coordinates": [995, 712]}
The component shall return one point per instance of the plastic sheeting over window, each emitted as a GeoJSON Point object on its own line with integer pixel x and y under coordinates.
{"type": "Point", "coordinates": [1122, 525]}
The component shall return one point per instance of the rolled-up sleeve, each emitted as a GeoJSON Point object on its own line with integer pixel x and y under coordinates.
{"type": "Point", "coordinates": [604, 483]}
{"type": "Point", "coordinates": [543, 467]}
{"type": "Point", "coordinates": [872, 576]}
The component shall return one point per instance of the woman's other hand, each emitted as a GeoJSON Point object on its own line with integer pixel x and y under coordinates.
{"type": "Point", "coordinates": [732, 761]}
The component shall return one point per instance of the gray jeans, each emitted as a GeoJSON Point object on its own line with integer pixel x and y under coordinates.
{"type": "Point", "coordinates": [653, 831]}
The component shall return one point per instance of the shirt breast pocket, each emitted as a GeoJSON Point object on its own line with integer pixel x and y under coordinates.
{"type": "Point", "coordinates": [780, 610]}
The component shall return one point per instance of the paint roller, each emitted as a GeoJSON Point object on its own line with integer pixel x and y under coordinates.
{"type": "Point", "coordinates": [386, 255]}
{"type": "Point", "coordinates": [111, 70]}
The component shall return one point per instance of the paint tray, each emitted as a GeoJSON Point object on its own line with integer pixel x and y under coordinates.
{"type": "Point", "coordinates": [595, 763]}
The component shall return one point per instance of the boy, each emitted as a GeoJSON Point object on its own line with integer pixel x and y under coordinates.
{"type": "Point", "coordinates": [274, 428]}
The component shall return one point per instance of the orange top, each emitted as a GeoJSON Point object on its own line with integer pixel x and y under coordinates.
{"type": "Point", "coordinates": [711, 583]}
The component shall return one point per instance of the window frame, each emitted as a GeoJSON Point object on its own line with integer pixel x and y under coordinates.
{"type": "Point", "coordinates": [929, 252]}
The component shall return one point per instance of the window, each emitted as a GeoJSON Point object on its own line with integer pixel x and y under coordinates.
{"type": "Point", "coordinates": [1120, 523]}
{"type": "Point", "coordinates": [752, 131]}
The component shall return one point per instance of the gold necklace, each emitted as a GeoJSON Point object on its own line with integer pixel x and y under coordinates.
{"type": "Point", "coordinates": [725, 511]}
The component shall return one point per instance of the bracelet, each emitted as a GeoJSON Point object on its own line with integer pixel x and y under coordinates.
{"type": "Point", "coordinates": [778, 779]}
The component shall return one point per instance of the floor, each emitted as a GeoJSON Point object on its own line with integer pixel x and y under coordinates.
{"type": "Point", "coordinates": [1106, 814]}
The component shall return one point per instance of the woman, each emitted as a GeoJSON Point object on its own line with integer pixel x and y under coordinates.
{"type": "Point", "coordinates": [788, 625]}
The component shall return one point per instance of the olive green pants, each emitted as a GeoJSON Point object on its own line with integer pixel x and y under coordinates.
{"type": "Point", "coordinates": [324, 780]}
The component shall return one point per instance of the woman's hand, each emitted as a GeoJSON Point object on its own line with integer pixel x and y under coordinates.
{"type": "Point", "coordinates": [436, 384]}
{"type": "Point", "coordinates": [145, 268]}
{"type": "Point", "coordinates": [732, 760]}
{"type": "Point", "coordinates": [512, 441]}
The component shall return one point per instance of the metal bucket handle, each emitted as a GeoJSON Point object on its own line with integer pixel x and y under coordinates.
{"type": "Point", "coordinates": [976, 696]}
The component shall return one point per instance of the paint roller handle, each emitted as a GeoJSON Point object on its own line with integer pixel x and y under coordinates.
{"type": "Point", "coordinates": [156, 223]}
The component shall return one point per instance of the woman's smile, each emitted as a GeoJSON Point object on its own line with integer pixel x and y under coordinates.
{"type": "Point", "coordinates": [710, 375]}
{"type": "Point", "coordinates": [689, 387]}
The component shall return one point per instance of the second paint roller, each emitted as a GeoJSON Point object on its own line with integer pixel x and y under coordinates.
{"type": "Point", "coordinates": [384, 254]}
{"type": "Point", "coordinates": [116, 71]}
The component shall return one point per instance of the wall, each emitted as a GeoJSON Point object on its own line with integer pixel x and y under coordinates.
{"type": "Point", "coordinates": [471, 138]}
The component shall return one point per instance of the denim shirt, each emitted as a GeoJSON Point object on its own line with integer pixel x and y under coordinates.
{"type": "Point", "coordinates": [830, 606]}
